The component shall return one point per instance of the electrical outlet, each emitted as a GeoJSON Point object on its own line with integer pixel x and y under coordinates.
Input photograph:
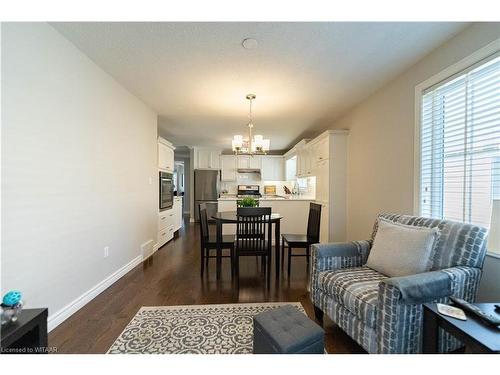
{"type": "Point", "coordinates": [106, 251]}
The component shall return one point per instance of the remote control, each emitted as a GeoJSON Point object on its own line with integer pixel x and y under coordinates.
{"type": "Point", "coordinates": [494, 320]}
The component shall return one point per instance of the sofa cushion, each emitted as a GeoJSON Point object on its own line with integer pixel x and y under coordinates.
{"type": "Point", "coordinates": [356, 289]}
{"type": "Point", "coordinates": [402, 250]}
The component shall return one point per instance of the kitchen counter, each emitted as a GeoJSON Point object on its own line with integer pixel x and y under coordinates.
{"type": "Point", "coordinates": [264, 198]}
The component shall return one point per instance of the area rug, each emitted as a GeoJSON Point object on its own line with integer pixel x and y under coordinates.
{"type": "Point", "coordinates": [202, 329]}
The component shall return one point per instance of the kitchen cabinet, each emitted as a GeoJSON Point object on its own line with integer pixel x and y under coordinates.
{"type": "Point", "coordinates": [206, 158]}
{"type": "Point", "coordinates": [228, 166]}
{"type": "Point", "coordinates": [322, 181]}
{"type": "Point", "coordinates": [291, 168]}
{"type": "Point", "coordinates": [304, 165]}
{"type": "Point", "coordinates": [177, 218]}
{"type": "Point", "coordinates": [165, 155]}
{"type": "Point", "coordinates": [324, 235]}
{"type": "Point", "coordinates": [272, 168]}
{"type": "Point", "coordinates": [249, 162]}
{"type": "Point", "coordinates": [166, 224]}
{"type": "Point", "coordinates": [324, 157]}
{"type": "Point", "coordinates": [322, 150]}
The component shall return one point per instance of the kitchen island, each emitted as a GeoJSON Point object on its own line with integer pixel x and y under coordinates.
{"type": "Point", "coordinates": [295, 211]}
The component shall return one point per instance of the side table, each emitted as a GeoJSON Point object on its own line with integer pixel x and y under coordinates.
{"type": "Point", "coordinates": [476, 335]}
{"type": "Point", "coordinates": [27, 335]}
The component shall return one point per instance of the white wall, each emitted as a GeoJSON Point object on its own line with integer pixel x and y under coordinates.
{"type": "Point", "coordinates": [380, 166]}
{"type": "Point", "coordinates": [78, 151]}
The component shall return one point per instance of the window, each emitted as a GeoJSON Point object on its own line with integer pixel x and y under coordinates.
{"type": "Point", "coordinates": [460, 147]}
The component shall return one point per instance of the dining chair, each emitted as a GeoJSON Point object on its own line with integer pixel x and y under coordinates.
{"type": "Point", "coordinates": [209, 241]}
{"type": "Point", "coordinates": [303, 241]}
{"type": "Point", "coordinates": [253, 237]}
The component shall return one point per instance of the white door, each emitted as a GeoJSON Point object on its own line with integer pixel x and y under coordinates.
{"type": "Point", "coordinates": [228, 167]}
{"type": "Point", "coordinates": [162, 156]}
{"type": "Point", "coordinates": [170, 160]}
{"type": "Point", "coordinates": [267, 169]}
{"type": "Point", "coordinates": [215, 159]}
{"type": "Point", "coordinates": [244, 162]}
{"type": "Point", "coordinates": [255, 162]}
{"type": "Point", "coordinates": [322, 150]}
{"type": "Point", "coordinates": [203, 159]}
{"type": "Point", "coordinates": [291, 168]}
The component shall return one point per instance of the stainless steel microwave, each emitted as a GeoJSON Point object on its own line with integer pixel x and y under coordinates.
{"type": "Point", "coordinates": [166, 190]}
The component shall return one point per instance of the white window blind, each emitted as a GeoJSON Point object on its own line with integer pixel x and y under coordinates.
{"type": "Point", "coordinates": [460, 146]}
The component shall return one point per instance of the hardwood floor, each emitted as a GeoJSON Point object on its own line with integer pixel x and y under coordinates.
{"type": "Point", "coordinates": [172, 277]}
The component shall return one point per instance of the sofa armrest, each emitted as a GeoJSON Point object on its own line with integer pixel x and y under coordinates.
{"type": "Point", "coordinates": [400, 302]}
{"type": "Point", "coordinates": [333, 256]}
{"type": "Point", "coordinates": [420, 288]}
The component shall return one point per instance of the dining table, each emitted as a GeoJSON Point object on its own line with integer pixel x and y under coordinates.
{"type": "Point", "coordinates": [230, 217]}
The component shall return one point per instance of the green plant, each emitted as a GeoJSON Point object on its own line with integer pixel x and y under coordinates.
{"type": "Point", "coordinates": [248, 202]}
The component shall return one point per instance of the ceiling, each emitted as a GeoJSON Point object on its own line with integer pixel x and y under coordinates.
{"type": "Point", "coordinates": [196, 75]}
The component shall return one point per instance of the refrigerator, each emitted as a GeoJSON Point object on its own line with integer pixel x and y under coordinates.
{"type": "Point", "coordinates": [206, 190]}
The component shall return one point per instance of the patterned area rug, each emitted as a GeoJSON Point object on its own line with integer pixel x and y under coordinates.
{"type": "Point", "coordinates": [202, 329]}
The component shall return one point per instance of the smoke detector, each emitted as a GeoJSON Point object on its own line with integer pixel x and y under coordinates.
{"type": "Point", "coordinates": [249, 43]}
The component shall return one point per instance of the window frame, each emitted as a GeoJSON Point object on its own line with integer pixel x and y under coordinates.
{"type": "Point", "coordinates": [442, 76]}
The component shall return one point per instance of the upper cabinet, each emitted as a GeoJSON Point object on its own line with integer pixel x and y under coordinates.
{"type": "Point", "coordinates": [228, 166]}
{"type": "Point", "coordinates": [291, 167]}
{"type": "Point", "coordinates": [273, 168]}
{"type": "Point", "coordinates": [303, 153]}
{"type": "Point", "coordinates": [206, 158]}
{"type": "Point", "coordinates": [249, 162]}
{"type": "Point", "coordinates": [165, 155]}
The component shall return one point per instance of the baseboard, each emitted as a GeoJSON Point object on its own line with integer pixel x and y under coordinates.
{"type": "Point", "coordinates": [155, 249]}
{"type": "Point", "coordinates": [60, 316]}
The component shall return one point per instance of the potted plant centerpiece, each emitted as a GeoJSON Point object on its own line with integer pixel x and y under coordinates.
{"type": "Point", "coordinates": [248, 202]}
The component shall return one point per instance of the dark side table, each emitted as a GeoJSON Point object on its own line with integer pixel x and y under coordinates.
{"type": "Point", "coordinates": [476, 335]}
{"type": "Point", "coordinates": [27, 335]}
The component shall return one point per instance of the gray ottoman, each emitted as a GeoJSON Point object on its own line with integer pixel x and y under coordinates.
{"type": "Point", "coordinates": [288, 331]}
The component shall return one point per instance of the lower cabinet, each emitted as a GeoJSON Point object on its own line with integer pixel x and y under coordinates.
{"type": "Point", "coordinates": [177, 213]}
{"type": "Point", "coordinates": [166, 224]}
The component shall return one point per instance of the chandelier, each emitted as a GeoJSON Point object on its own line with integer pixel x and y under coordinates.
{"type": "Point", "coordinates": [255, 145]}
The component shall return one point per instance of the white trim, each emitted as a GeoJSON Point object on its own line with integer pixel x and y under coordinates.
{"type": "Point", "coordinates": [166, 143]}
{"type": "Point", "coordinates": [463, 64]}
{"type": "Point", "coordinates": [493, 255]}
{"type": "Point", "coordinates": [60, 316]}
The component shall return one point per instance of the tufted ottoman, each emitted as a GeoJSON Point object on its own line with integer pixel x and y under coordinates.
{"type": "Point", "coordinates": [286, 330]}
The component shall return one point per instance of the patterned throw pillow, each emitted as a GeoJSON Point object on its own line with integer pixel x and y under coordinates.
{"type": "Point", "coordinates": [401, 250]}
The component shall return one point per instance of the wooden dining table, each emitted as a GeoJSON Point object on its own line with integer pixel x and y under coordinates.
{"type": "Point", "coordinates": [230, 217]}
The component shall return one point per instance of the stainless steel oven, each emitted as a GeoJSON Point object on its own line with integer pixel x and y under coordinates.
{"type": "Point", "coordinates": [166, 190]}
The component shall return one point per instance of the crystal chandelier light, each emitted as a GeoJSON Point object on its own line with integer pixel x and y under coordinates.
{"type": "Point", "coordinates": [255, 145]}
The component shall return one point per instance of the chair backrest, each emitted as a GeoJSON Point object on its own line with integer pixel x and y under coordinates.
{"type": "Point", "coordinates": [204, 233]}
{"type": "Point", "coordinates": [459, 244]}
{"type": "Point", "coordinates": [313, 222]}
{"type": "Point", "coordinates": [253, 228]}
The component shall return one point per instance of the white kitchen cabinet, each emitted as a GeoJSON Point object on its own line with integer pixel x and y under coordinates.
{"type": "Point", "coordinates": [324, 224]}
{"type": "Point", "coordinates": [207, 158]}
{"type": "Point", "coordinates": [166, 222]}
{"type": "Point", "coordinates": [228, 166]}
{"type": "Point", "coordinates": [177, 208]}
{"type": "Point", "coordinates": [249, 162]}
{"type": "Point", "coordinates": [291, 168]}
{"type": "Point", "coordinates": [272, 168]}
{"type": "Point", "coordinates": [322, 181]}
{"type": "Point", "coordinates": [322, 150]}
{"type": "Point", "coordinates": [165, 155]}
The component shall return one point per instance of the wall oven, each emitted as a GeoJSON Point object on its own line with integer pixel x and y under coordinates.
{"type": "Point", "coordinates": [166, 190]}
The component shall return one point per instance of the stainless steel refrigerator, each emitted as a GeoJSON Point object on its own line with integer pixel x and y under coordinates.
{"type": "Point", "coordinates": [206, 190]}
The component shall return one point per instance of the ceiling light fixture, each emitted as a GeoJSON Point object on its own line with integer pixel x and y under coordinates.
{"type": "Point", "coordinates": [255, 145]}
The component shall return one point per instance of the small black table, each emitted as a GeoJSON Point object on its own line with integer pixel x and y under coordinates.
{"type": "Point", "coordinates": [229, 217]}
{"type": "Point", "coordinates": [27, 335]}
{"type": "Point", "coordinates": [476, 335]}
